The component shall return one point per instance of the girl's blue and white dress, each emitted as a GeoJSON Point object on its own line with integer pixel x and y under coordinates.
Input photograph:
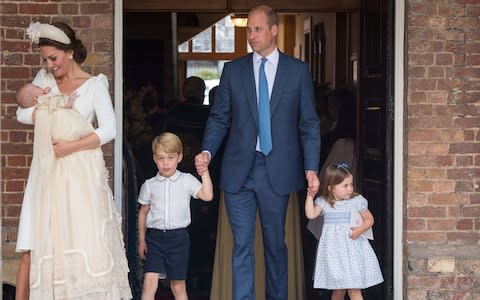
{"type": "Point", "coordinates": [343, 263]}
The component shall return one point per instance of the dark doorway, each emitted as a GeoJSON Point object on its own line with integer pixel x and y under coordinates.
{"type": "Point", "coordinates": [374, 91]}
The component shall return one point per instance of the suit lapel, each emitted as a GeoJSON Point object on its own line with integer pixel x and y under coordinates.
{"type": "Point", "coordinates": [278, 85]}
{"type": "Point", "coordinates": [249, 86]}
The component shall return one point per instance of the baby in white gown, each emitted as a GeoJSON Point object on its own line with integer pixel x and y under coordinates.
{"type": "Point", "coordinates": [78, 250]}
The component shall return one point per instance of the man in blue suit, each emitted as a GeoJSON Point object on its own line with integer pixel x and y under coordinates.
{"type": "Point", "coordinates": [256, 174]}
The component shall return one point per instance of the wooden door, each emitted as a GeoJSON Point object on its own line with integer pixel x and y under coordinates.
{"type": "Point", "coordinates": [376, 132]}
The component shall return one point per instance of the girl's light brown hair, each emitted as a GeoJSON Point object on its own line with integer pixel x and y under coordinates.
{"type": "Point", "coordinates": [333, 175]}
{"type": "Point", "coordinates": [167, 142]}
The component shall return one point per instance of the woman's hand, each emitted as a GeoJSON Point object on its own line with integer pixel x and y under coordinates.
{"type": "Point", "coordinates": [62, 148]}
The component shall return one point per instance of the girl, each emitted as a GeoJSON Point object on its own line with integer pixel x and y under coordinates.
{"type": "Point", "coordinates": [345, 259]}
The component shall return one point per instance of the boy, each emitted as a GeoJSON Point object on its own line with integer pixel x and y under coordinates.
{"type": "Point", "coordinates": [163, 239]}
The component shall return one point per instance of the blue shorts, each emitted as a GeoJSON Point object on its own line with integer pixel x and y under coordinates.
{"type": "Point", "coordinates": [167, 253]}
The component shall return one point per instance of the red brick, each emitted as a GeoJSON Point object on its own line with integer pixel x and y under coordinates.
{"type": "Point", "coordinates": [465, 148]}
{"type": "Point", "coordinates": [13, 59]}
{"type": "Point", "coordinates": [426, 212]}
{"type": "Point", "coordinates": [15, 46]}
{"type": "Point", "coordinates": [94, 8]}
{"type": "Point", "coordinates": [18, 137]}
{"type": "Point", "coordinates": [12, 211]}
{"type": "Point", "coordinates": [435, 46]}
{"type": "Point", "coordinates": [464, 161]}
{"type": "Point", "coordinates": [14, 72]}
{"type": "Point", "coordinates": [471, 211]}
{"type": "Point", "coordinates": [13, 186]}
{"type": "Point", "coordinates": [451, 10]}
{"type": "Point", "coordinates": [421, 34]}
{"type": "Point", "coordinates": [451, 35]}
{"type": "Point", "coordinates": [16, 161]}
{"type": "Point", "coordinates": [453, 212]}
{"type": "Point", "coordinates": [463, 174]}
{"type": "Point", "coordinates": [442, 225]}
{"type": "Point", "coordinates": [435, 72]}
{"type": "Point", "coordinates": [426, 237]}
{"type": "Point", "coordinates": [473, 59]}
{"type": "Point", "coordinates": [468, 23]}
{"type": "Point", "coordinates": [423, 9]}
{"type": "Point", "coordinates": [473, 11]}
{"type": "Point", "coordinates": [39, 9]}
{"type": "Point", "coordinates": [447, 199]}
{"type": "Point", "coordinates": [421, 59]}
{"type": "Point", "coordinates": [423, 84]}
{"type": "Point", "coordinates": [69, 8]}
{"type": "Point", "coordinates": [416, 225]}
{"type": "Point", "coordinates": [465, 224]}
{"type": "Point", "coordinates": [444, 59]}
{"type": "Point", "coordinates": [416, 72]}
{"type": "Point", "coordinates": [84, 22]}
{"type": "Point", "coordinates": [463, 238]}
{"type": "Point", "coordinates": [12, 198]}
{"type": "Point", "coordinates": [472, 48]}
{"type": "Point", "coordinates": [13, 21]}
{"type": "Point", "coordinates": [444, 186]}
{"type": "Point", "coordinates": [436, 23]}
{"type": "Point", "coordinates": [8, 9]}
{"type": "Point", "coordinates": [464, 187]}
{"type": "Point", "coordinates": [417, 21]}
{"type": "Point", "coordinates": [473, 36]}
{"type": "Point", "coordinates": [16, 148]}
{"type": "Point", "coordinates": [421, 186]}
{"type": "Point", "coordinates": [468, 73]}
{"type": "Point", "coordinates": [9, 222]}
{"type": "Point", "coordinates": [459, 59]}
{"type": "Point", "coordinates": [417, 198]}
{"type": "Point", "coordinates": [450, 84]}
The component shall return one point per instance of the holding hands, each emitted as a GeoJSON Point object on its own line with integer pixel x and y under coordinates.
{"type": "Point", "coordinates": [201, 162]}
{"type": "Point", "coordinates": [313, 183]}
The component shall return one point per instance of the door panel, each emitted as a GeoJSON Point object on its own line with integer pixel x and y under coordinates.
{"type": "Point", "coordinates": [376, 135]}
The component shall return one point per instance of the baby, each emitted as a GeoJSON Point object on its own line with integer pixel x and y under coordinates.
{"type": "Point", "coordinates": [30, 95]}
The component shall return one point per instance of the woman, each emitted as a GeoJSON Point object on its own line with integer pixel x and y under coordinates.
{"type": "Point", "coordinates": [69, 231]}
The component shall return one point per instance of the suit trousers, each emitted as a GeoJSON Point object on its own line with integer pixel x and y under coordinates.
{"type": "Point", "coordinates": [257, 193]}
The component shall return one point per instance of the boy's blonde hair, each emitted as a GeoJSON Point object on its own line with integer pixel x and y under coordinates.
{"type": "Point", "coordinates": [167, 142]}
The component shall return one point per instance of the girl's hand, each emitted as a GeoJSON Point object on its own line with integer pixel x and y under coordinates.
{"type": "Point", "coordinates": [62, 148]}
{"type": "Point", "coordinates": [355, 233]}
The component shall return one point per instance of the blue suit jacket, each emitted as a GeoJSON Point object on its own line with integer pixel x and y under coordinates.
{"type": "Point", "coordinates": [295, 125]}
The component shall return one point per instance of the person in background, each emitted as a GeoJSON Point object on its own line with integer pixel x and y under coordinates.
{"type": "Point", "coordinates": [211, 95]}
{"type": "Point", "coordinates": [163, 238]}
{"type": "Point", "coordinates": [271, 149]}
{"type": "Point", "coordinates": [69, 230]}
{"type": "Point", "coordinates": [345, 259]}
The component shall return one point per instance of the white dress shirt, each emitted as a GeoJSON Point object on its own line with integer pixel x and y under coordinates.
{"type": "Point", "coordinates": [169, 200]}
{"type": "Point", "coordinates": [270, 72]}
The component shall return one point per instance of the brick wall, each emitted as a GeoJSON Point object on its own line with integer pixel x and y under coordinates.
{"type": "Point", "coordinates": [19, 64]}
{"type": "Point", "coordinates": [443, 139]}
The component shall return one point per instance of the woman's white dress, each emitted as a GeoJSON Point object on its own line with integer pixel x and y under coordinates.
{"type": "Point", "coordinates": [343, 263]}
{"type": "Point", "coordinates": [76, 243]}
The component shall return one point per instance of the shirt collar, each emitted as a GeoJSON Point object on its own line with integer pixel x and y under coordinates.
{"type": "Point", "coordinates": [174, 177]}
{"type": "Point", "coordinates": [272, 57]}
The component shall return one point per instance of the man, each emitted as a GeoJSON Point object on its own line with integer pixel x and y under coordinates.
{"type": "Point", "coordinates": [262, 163]}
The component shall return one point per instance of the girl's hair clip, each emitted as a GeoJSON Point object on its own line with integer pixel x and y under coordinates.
{"type": "Point", "coordinates": [343, 166]}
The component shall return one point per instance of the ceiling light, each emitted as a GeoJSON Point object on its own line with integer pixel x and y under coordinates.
{"type": "Point", "coordinates": [239, 20]}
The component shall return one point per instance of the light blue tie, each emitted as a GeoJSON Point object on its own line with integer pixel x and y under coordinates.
{"type": "Point", "coordinates": [265, 134]}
